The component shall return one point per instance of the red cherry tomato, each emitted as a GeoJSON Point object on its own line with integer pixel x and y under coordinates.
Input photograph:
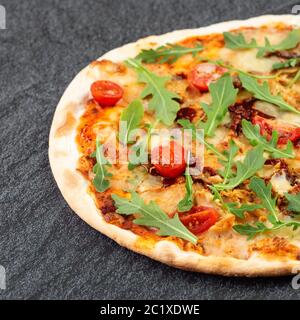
{"type": "Point", "coordinates": [199, 219]}
{"type": "Point", "coordinates": [106, 93]}
{"type": "Point", "coordinates": [204, 74]}
{"type": "Point", "coordinates": [285, 133]}
{"type": "Point", "coordinates": [169, 160]}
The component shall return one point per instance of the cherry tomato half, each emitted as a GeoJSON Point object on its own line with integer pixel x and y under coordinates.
{"type": "Point", "coordinates": [106, 93]}
{"type": "Point", "coordinates": [285, 133]}
{"type": "Point", "coordinates": [169, 160]}
{"type": "Point", "coordinates": [199, 219]}
{"type": "Point", "coordinates": [204, 74]}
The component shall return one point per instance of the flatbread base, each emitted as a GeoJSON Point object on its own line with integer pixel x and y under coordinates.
{"type": "Point", "coordinates": [63, 156]}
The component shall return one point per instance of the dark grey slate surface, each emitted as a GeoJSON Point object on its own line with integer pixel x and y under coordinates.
{"type": "Point", "coordinates": [48, 252]}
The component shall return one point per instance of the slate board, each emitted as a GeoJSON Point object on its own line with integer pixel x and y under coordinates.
{"type": "Point", "coordinates": [48, 252]}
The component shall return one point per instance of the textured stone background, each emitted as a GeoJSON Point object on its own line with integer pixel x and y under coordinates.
{"type": "Point", "coordinates": [48, 252]}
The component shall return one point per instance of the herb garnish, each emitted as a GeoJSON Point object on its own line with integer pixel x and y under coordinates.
{"type": "Point", "coordinates": [100, 180]}
{"type": "Point", "coordinates": [238, 41]}
{"type": "Point", "coordinates": [162, 100]}
{"type": "Point", "coordinates": [230, 154]}
{"type": "Point", "coordinates": [290, 63]}
{"type": "Point", "coordinates": [294, 202]}
{"type": "Point", "coordinates": [265, 194]}
{"type": "Point", "coordinates": [262, 92]}
{"type": "Point", "coordinates": [252, 132]}
{"type": "Point", "coordinates": [151, 215]}
{"type": "Point", "coordinates": [223, 94]}
{"type": "Point", "coordinates": [253, 162]}
{"type": "Point", "coordinates": [186, 124]}
{"type": "Point", "coordinates": [167, 54]}
{"type": "Point", "coordinates": [187, 202]}
{"type": "Point", "coordinates": [131, 117]}
{"type": "Point", "coordinates": [233, 207]}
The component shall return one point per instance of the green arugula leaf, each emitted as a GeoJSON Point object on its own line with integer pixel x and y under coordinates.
{"type": "Point", "coordinates": [264, 192]}
{"type": "Point", "coordinates": [167, 54]}
{"type": "Point", "coordinates": [162, 100]}
{"type": "Point", "coordinates": [290, 42]}
{"type": "Point", "coordinates": [290, 63]}
{"type": "Point", "coordinates": [187, 202]}
{"type": "Point", "coordinates": [231, 68]}
{"type": "Point", "coordinates": [295, 79]}
{"type": "Point", "coordinates": [151, 215]}
{"type": "Point", "coordinates": [139, 151]}
{"type": "Point", "coordinates": [294, 202]}
{"type": "Point", "coordinates": [227, 172]}
{"type": "Point", "coordinates": [237, 41]}
{"type": "Point", "coordinates": [233, 207]}
{"type": "Point", "coordinates": [259, 227]}
{"type": "Point", "coordinates": [100, 180]}
{"type": "Point", "coordinates": [252, 133]}
{"type": "Point", "coordinates": [262, 92]}
{"type": "Point", "coordinates": [223, 95]}
{"type": "Point", "coordinates": [239, 210]}
{"type": "Point", "coordinates": [253, 162]}
{"type": "Point", "coordinates": [131, 117]}
{"type": "Point", "coordinates": [186, 124]}
{"type": "Point", "coordinates": [251, 230]}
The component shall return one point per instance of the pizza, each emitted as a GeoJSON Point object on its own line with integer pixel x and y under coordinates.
{"type": "Point", "coordinates": [185, 147]}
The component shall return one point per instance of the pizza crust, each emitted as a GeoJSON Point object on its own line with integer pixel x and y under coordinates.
{"type": "Point", "coordinates": [63, 156]}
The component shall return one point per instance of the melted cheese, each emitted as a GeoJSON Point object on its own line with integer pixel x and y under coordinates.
{"type": "Point", "coordinates": [280, 183]}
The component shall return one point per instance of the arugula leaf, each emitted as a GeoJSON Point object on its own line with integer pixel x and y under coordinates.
{"type": "Point", "coordinates": [293, 62]}
{"type": "Point", "coordinates": [187, 202]}
{"type": "Point", "coordinates": [151, 215]}
{"type": "Point", "coordinates": [131, 117]}
{"type": "Point", "coordinates": [251, 230]}
{"type": "Point", "coordinates": [237, 41]}
{"type": "Point", "coordinates": [252, 132]}
{"type": "Point", "coordinates": [100, 180]}
{"type": "Point", "coordinates": [139, 151]}
{"type": "Point", "coordinates": [169, 53]}
{"type": "Point", "coordinates": [231, 68]}
{"type": "Point", "coordinates": [262, 92]}
{"type": "Point", "coordinates": [294, 202]}
{"type": "Point", "coordinates": [259, 227]}
{"type": "Point", "coordinates": [290, 42]}
{"type": "Point", "coordinates": [186, 124]}
{"type": "Point", "coordinates": [253, 162]}
{"type": "Point", "coordinates": [239, 210]}
{"type": "Point", "coordinates": [162, 100]}
{"type": "Point", "coordinates": [295, 79]}
{"type": "Point", "coordinates": [264, 192]}
{"type": "Point", "coordinates": [223, 95]}
{"type": "Point", "coordinates": [235, 208]}
{"type": "Point", "coordinates": [227, 172]}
